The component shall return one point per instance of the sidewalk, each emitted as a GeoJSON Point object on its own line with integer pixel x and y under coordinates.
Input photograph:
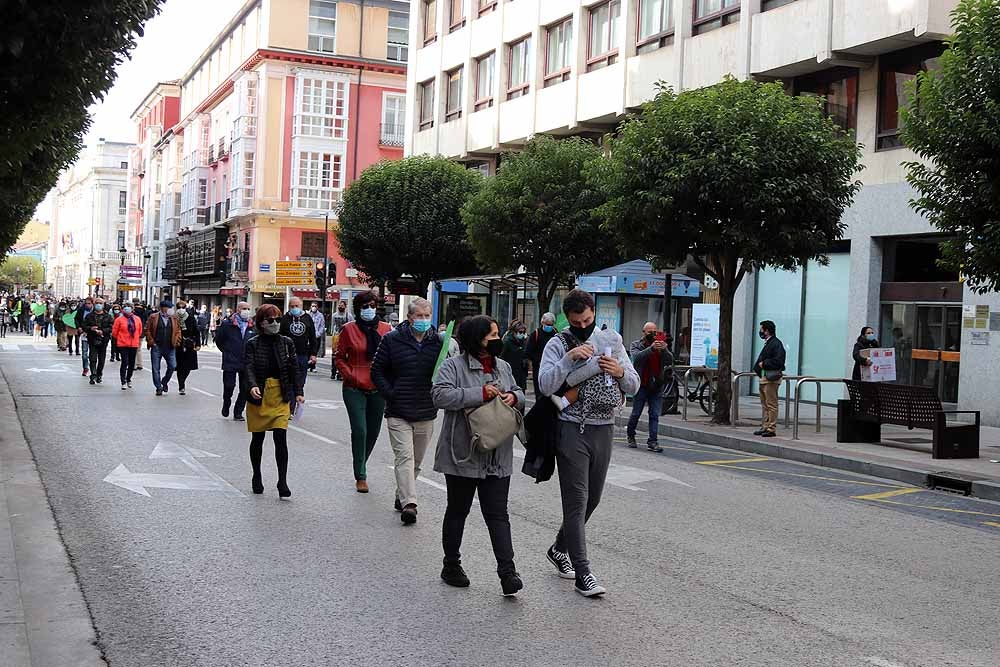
{"type": "Point", "coordinates": [44, 621]}
{"type": "Point", "coordinates": [903, 455]}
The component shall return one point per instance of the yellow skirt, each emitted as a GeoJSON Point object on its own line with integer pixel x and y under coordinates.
{"type": "Point", "coordinates": [272, 413]}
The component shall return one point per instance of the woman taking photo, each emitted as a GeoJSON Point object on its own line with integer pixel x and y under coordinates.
{"type": "Point", "coordinates": [356, 347]}
{"type": "Point", "coordinates": [271, 375]}
{"type": "Point", "coordinates": [865, 341]}
{"type": "Point", "coordinates": [187, 352]}
{"type": "Point", "coordinates": [470, 380]}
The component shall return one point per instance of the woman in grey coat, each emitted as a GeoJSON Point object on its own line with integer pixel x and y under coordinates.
{"type": "Point", "coordinates": [470, 380]}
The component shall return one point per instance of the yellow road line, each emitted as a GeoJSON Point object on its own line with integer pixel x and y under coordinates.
{"type": "Point", "coordinates": [796, 474]}
{"type": "Point", "coordinates": [745, 460]}
{"type": "Point", "coordinates": [991, 523]}
{"type": "Point", "coordinates": [939, 509]}
{"type": "Point", "coordinates": [685, 449]}
{"type": "Point", "coordinates": [888, 494]}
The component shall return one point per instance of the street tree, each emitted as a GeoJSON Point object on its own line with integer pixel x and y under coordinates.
{"type": "Point", "coordinates": [21, 269]}
{"type": "Point", "coordinates": [56, 59]}
{"type": "Point", "coordinates": [539, 212]}
{"type": "Point", "coordinates": [403, 218]}
{"type": "Point", "coordinates": [953, 123]}
{"type": "Point", "coordinates": [739, 176]}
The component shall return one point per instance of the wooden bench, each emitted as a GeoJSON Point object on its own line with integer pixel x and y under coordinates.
{"type": "Point", "coordinates": [871, 404]}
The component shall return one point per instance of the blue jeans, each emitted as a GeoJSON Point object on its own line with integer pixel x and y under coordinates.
{"type": "Point", "coordinates": [85, 352]}
{"type": "Point", "coordinates": [170, 356]}
{"type": "Point", "coordinates": [654, 400]}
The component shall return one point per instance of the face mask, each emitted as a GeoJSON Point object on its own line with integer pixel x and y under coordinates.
{"type": "Point", "coordinates": [494, 347]}
{"type": "Point", "coordinates": [182, 315]}
{"type": "Point", "coordinates": [295, 311]}
{"type": "Point", "coordinates": [116, 311]}
{"type": "Point", "coordinates": [520, 336]}
{"type": "Point", "coordinates": [314, 309]}
{"type": "Point", "coordinates": [170, 312]}
{"type": "Point", "coordinates": [99, 307]}
{"type": "Point", "coordinates": [548, 328]}
{"type": "Point", "coordinates": [583, 334]}
{"type": "Point", "coordinates": [870, 337]}
{"type": "Point", "coordinates": [368, 314]}
{"type": "Point", "coordinates": [128, 310]}
{"type": "Point", "coordinates": [762, 335]}
{"type": "Point", "coordinates": [649, 336]}
{"type": "Point", "coordinates": [270, 328]}
{"type": "Point", "coordinates": [245, 313]}
{"type": "Point", "coordinates": [443, 335]}
{"type": "Point", "coordinates": [421, 326]}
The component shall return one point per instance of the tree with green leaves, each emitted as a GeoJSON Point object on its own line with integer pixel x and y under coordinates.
{"type": "Point", "coordinates": [538, 212]}
{"type": "Point", "coordinates": [22, 269]}
{"type": "Point", "coordinates": [403, 217]}
{"type": "Point", "coordinates": [953, 123]}
{"type": "Point", "coordinates": [57, 59]}
{"type": "Point", "coordinates": [739, 176]}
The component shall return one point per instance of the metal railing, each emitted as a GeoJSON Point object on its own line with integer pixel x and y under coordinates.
{"type": "Point", "coordinates": [699, 370]}
{"type": "Point", "coordinates": [392, 134]}
{"type": "Point", "coordinates": [819, 402]}
{"type": "Point", "coordinates": [734, 412]}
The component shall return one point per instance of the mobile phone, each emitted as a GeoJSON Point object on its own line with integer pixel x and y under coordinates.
{"type": "Point", "coordinates": [660, 337]}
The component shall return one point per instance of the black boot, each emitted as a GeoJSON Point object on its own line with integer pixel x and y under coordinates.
{"type": "Point", "coordinates": [510, 581]}
{"type": "Point", "coordinates": [454, 575]}
{"type": "Point", "coordinates": [283, 491]}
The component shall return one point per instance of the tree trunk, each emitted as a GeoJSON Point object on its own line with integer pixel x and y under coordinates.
{"type": "Point", "coordinates": [546, 290]}
{"type": "Point", "coordinates": [727, 295]}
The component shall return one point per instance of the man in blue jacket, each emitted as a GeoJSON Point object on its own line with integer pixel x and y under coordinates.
{"type": "Point", "coordinates": [230, 337]}
{"type": "Point", "coordinates": [402, 371]}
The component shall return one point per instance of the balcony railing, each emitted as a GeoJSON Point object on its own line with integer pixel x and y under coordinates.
{"type": "Point", "coordinates": [392, 135]}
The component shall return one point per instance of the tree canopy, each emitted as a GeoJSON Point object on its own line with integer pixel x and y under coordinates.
{"type": "Point", "coordinates": [56, 59]}
{"type": "Point", "coordinates": [21, 269]}
{"type": "Point", "coordinates": [538, 212]}
{"type": "Point", "coordinates": [953, 123]}
{"type": "Point", "coordinates": [403, 217]}
{"type": "Point", "coordinates": [739, 175]}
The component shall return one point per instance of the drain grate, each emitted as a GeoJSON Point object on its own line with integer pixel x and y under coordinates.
{"type": "Point", "coordinates": [946, 481]}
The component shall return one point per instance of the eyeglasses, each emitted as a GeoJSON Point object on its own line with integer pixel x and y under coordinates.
{"type": "Point", "coordinates": [269, 320]}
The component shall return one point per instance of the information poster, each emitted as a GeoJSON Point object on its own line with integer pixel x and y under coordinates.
{"type": "Point", "coordinates": [705, 335]}
{"type": "Point", "coordinates": [982, 317]}
{"type": "Point", "coordinates": [883, 368]}
{"type": "Point", "coordinates": [968, 316]}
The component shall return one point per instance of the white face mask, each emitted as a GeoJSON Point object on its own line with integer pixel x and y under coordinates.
{"type": "Point", "coordinates": [170, 312]}
{"type": "Point", "coordinates": [245, 313]}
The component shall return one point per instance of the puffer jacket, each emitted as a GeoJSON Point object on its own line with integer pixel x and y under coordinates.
{"type": "Point", "coordinates": [119, 331]}
{"type": "Point", "coordinates": [459, 386]}
{"type": "Point", "coordinates": [102, 321]}
{"type": "Point", "coordinates": [402, 371]}
{"type": "Point", "coordinates": [257, 354]}
{"type": "Point", "coordinates": [232, 342]}
{"type": "Point", "coordinates": [352, 358]}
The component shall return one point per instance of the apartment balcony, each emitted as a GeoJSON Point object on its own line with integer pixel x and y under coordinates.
{"type": "Point", "coordinates": [223, 149]}
{"type": "Point", "coordinates": [212, 159]}
{"type": "Point", "coordinates": [392, 135]}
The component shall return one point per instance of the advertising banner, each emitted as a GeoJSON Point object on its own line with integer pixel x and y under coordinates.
{"type": "Point", "coordinates": [705, 335]}
{"type": "Point", "coordinates": [883, 368]}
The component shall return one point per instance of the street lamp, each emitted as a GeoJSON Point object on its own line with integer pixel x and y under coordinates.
{"type": "Point", "coordinates": [145, 277]}
{"type": "Point", "coordinates": [183, 244]}
{"type": "Point", "coordinates": [102, 291]}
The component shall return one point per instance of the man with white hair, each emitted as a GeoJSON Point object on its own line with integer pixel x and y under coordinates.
{"type": "Point", "coordinates": [230, 337]}
{"type": "Point", "coordinates": [299, 326]}
{"type": "Point", "coordinates": [402, 371]}
{"type": "Point", "coordinates": [537, 341]}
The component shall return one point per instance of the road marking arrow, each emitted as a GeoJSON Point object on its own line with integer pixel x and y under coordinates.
{"type": "Point", "coordinates": [205, 480]}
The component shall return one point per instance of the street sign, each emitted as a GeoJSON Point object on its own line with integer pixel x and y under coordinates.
{"type": "Point", "coordinates": [293, 264]}
{"type": "Point", "coordinates": [168, 273]}
{"type": "Point", "coordinates": [122, 281]}
{"type": "Point", "coordinates": [93, 281]}
{"type": "Point", "coordinates": [265, 268]}
{"type": "Point", "coordinates": [293, 281]}
{"type": "Point", "coordinates": [294, 273]}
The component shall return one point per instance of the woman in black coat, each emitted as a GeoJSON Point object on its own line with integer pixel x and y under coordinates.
{"type": "Point", "coordinates": [865, 341]}
{"type": "Point", "coordinates": [187, 353]}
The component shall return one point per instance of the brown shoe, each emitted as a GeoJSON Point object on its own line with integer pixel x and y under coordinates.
{"type": "Point", "coordinates": [361, 486]}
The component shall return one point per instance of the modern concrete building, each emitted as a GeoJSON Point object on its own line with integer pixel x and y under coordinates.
{"type": "Point", "coordinates": [486, 75]}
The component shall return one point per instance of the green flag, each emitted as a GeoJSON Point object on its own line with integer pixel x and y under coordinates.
{"type": "Point", "coordinates": [444, 350]}
{"type": "Point", "coordinates": [561, 322]}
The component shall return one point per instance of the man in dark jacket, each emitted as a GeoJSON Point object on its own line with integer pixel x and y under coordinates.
{"type": "Point", "coordinates": [402, 371]}
{"type": "Point", "coordinates": [769, 366]}
{"type": "Point", "coordinates": [535, 346]}
{"type": "Point", "coordinates": [142, 313]}
{"type": "Point", "coordinates": [651, 359]}
{"type": "Point", "coordinates": [298, 325]}
{"type": "Point", "coordinates": [97, 325]}
{"type": "Point", "coordinates": [81, 314]}
{"type": "Point", "coordinates": [231, 337]}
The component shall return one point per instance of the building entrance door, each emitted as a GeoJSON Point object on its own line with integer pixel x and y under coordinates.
{"type": "Point", "coordinates": [927, 339]}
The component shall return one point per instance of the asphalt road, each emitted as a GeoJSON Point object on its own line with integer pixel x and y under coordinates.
{"type": "Point", "coordinates": [711, 557]}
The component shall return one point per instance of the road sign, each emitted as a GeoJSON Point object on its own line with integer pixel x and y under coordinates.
{"type": "Point", "coordinates": [92, 281]}
{"type": "Point", "coordinates": [294, 273]}
{"type": "Point", "coordinates": [127, 270]}
{"type": "Point", "coordinates": [265, 268]}
{"type": "Point", "coordinates": [122, 281]}
{"type": "Point", "coordinates": [293, 264]}
{"type": "Point", "coordinates": [168, 273]}
{"type": "Point", "coordinates": [293, 281]}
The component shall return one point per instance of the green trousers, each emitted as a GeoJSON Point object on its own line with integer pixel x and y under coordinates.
{"type": "Point", "coordinates": [365, 410]}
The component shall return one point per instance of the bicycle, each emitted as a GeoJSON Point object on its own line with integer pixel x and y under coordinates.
{"type": "Point", "coordinates": [706, 393]}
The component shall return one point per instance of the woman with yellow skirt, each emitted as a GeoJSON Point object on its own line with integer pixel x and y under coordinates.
{"type": "Point", "coordinates": [275, 384]}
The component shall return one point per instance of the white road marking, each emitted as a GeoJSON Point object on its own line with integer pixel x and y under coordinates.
{"type": "Point", "coordinates": [625, 477]}
{"type": "Point", "coordinates": [9, 347]}
{"type": "Point", "coordinates": [882, 662]}
{"type": "Point", "coordinates": [291, 427]}
{"type": "Point", "coordinates": [202, 391]}
{"type": "Point", "coordinates": [205, 480]}
{"type": "Point", "coordinates": [323, 405]}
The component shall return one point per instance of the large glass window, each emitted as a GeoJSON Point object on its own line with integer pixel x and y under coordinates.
{"type": "Point", "coordinates": [779, 299]}
{"type": "Point", "coordinates": [558, 52]}
{"type": "Point", "coordinates": [774, 4]}
{"type": "Point", "coordinates": [895, 72]}
{"type": "Point", "coordinates": [518, 80]}
{"type": "Point", "coordinates": [318, 183]}
{"type": "Point", "coordinates": [393, 119]}
{"type": "Point", "coordinates": [425, 93]}
{"type": "Point", "coordinates": [429, 20]}
{"type": "Point", "coordinates": [485, 71]}
{"type": "Point", "coordinates": [322, 108]}
{"type": "Point", "coordinates": [457, 12]}
{"type": "Point", "coordinates": [602, 49]}
{"type": "Point", "coordinates": [712, 14]}
{"type": "Point", "coordinates": [122, 202]}
{"type": "Point", "coordinates": [928, 343]}
{"type": "Point", "coordinates": [656, 24]}
{"type": "Point", "coordinates": [486, 6]}
{"type": "Point", "coordinates": [838, 89]}
{"type": "Point", "coordinates": [399, 36]}
{"type": "Point", "coordinates": [453, 99]}
{"type": "Point", "coordinates": [322, 25]}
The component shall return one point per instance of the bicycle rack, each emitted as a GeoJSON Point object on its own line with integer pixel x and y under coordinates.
{"type": "Point", "coordinates": [734, 413]}
{"type": "Point", "coordinates": [819, 402]}
{"type": "Point", "coordinates": [701, 370]}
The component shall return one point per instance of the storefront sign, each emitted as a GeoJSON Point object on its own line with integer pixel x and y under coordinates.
{"type": "Point", "coordinates": [596, 284]}
{"type": "Point", "coordinates": [883, 368]}
{"type": "Point", "coordinates": [705, 335]}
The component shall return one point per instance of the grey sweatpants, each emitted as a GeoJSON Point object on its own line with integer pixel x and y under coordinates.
{"type": "Point", "coordinates": [583, 460]}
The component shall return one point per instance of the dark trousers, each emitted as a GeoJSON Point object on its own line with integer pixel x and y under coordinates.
{"type": "Point", "coordinates": [204, 336]}
{"type": "Point", "coordinates": [643, 398]}
{"type": "Point", "coordinates": [493, 492]}
{"type": "Point", "coordinates": [303, 366]}
{"type": "Point", "coordinates": [128, 363]}
{"type": "Point", "coordinates": [229, 381]}
{"type": "Point", "coordinates": [97, 355]}
{"type": "Point", "coordinates": [583, 460]}
{"type": "Point", "coordinates": [182, 376]}
{"type": "Point", "coordinates": [280, 437]}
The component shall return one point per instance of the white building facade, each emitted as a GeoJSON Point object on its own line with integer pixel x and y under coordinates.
{"type": "Point", "coordinates": [487, 75]}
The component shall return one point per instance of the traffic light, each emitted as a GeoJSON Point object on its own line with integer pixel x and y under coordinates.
{"type": "Point", "coordinates": [321, 277]}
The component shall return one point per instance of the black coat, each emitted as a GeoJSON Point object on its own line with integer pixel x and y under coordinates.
{"type": "Point", "coordinates": [402, 371]}
{"type": "Point", "coordinates": [187, 357]}
{"type": "Point", "coordinates": [302, 332]}
{"type": "Point", "coordinates": [231, 343]}
{"type": "Point", "coordinates": [859, 361]}
{"type": "Point", "coordinates": [772, 357]}
{"type": "Point", "coordinates": [257, 355]}
{"type": "Point", "coordinates": [103, 321]}
{"type": "Point", "coordinates": [535, 346]}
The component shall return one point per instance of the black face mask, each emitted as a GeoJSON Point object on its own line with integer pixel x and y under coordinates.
{"type": "Point", "coordinates": [649, 337]}
{"type": "Point", "coordinates": [494, 347]}
{"type": "Point", "coordinates": [583, 334]}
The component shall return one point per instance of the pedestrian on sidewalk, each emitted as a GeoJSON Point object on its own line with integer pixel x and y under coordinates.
{"type": "Point", "coordinates": [535, 346]}
{"type": "Point", "coordinates": [271, 372]}
{"type": "Point", "coordinates": [866, 341]}
{"type": "Point", "coordinates": [230, 338]}
{"type": "Point", "coordinates": [402, 371]}
{"type": "Point", "coordinates": [652, 360]}
{"type": "Point", "coordinates": [514, 354]}
{"type": "Point", "coordinates": [127, 334]}
{"type": "Point", "coordinates": [356, 347]}
{"type": "Point", "coordinates": [470, 381]}
{"type": "Point", "coordinates": [319, 323]}
{"type": "Point", "coordinates": [298, 326]}
{"type": "Point", "coordinates": [97, 326]}
{"type": "Point", "coordinates": [81, 315]}
{"type": "Point", "coordinates": [770, 366]}
{"type": "Point", "coordinates": [187, 351]}
{"type": "Point", "coordinates": [116, 311]}
{"type": "Point", "coordinates": [163, 336]}
{"type": "Point", "coordinates": [203, 321]}
{"type": "Point", "coordinates": [596, 362]}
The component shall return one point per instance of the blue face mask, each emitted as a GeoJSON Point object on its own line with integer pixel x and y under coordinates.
{"type": "Point", "coordinates": [127, 310]}
{"type": "Point", "coordinates": [368, 314]}
{"type": "Point", "coordinates": [548, 328]}
{"type": "Point", "coordinates": [98, 307]}
{"type": "Point", "coordinates": [421, 326]}
{"type": "Point", "coordinates": [870, 337]}
{"type": "Point", "coordinates": [520, 336]}
{"type": "Point", "coordinates": [295, 311]}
